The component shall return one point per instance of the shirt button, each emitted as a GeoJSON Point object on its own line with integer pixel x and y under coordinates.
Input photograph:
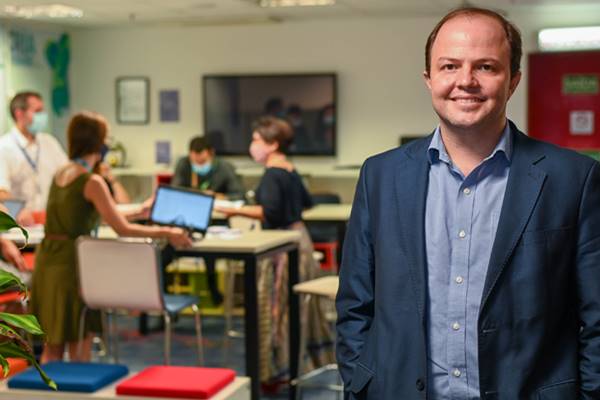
{"type": "Point", "coordinates": [459, 279]}
{"type": "Point", "coordinates": [456, 326]}
{"type": "Point", "coordinates": [467, 191]}
{"type": "Point", "coordinates": [456, 372]}
{"type": "Point", "coordinates": [420, 385]}
{"type": "Point", "coordinates": [462, 234]}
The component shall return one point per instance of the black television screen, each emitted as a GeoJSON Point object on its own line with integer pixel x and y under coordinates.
{"type": "Point", "coordinates": [307, 101]}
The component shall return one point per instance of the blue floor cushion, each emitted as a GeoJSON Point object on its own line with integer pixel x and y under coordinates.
{"type": "Point", "coordinates": [70, 377]}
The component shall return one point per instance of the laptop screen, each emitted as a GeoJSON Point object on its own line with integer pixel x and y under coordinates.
{"type": "Point", "coordinates": [14, 206]}
{"type": "Point", "coordinates": [181, 207]}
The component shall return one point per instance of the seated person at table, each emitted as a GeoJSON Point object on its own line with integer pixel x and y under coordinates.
{"type": "Point", "coordinates": [78, 199]}
{"type": "Point", "coordinates": [202, 170]}
{"type": "Point", "coordinates": [29, 157]}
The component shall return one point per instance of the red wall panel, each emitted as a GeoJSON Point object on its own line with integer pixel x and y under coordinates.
{"type": "Point", "coordinates": [551, 107]}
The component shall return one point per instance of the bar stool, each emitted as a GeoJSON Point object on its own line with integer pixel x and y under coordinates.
{"type": "Point", "coordinates": [325, 287]}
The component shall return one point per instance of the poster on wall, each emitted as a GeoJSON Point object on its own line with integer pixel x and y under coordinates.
{"type": "Point", "coordinates": [132, 99]}
{"type": "Point", "coordinates": [169, 105]}
{"type": "Point", "coordinates": [581, 123]}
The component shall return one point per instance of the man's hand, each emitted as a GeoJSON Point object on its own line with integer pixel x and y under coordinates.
{"type": "Point", "coordinates": [25, 218]}
{"type": "Point", "coordinates": [12, 255]}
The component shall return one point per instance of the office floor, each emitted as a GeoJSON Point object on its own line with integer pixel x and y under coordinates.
{"type": "Point", "coordinates": [138, 351]}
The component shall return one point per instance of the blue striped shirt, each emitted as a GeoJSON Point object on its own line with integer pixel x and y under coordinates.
{"type": "Point", "coordinates": [460, 227]}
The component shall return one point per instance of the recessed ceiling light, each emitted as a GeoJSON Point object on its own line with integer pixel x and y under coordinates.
{"type": "Point", "coordinates": [43, 11]}
{"type": "Point", "coordinates": [295, 3]}
{"type": "Point", "coordinates": [560, 39]}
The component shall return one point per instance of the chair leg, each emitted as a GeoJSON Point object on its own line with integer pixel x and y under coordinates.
{"type": "Point", "coordinates": [167, 319]}
{"type": "Point", "coordinates": [198, 334]}
{"type": "Point", "coordinates": [112, 322]}
{"type": "Point", "coordinates": [81, 329]}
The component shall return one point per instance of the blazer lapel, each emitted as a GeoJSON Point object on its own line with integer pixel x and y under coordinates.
{"type": "Point", "coordinates": [524, 184]}
{"type": "Point", "coordinates": [412, 176]}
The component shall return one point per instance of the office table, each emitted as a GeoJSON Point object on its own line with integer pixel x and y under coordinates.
{"type": "Point", "coordinates": [337, 214]}
{"type": "Point", "coordinates": [251, 247]}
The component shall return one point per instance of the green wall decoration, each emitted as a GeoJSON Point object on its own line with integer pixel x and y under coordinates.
{"type": "Point", "coordinates": [58, 56]}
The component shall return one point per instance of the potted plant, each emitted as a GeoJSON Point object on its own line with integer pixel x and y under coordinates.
{"type": "Point", "coordinates": [12, 344]}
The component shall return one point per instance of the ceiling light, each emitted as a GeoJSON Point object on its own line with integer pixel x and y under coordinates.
{"type": "Point", "coordinates": [560, 39]}
{"type": "Point", "coordinates": [295, 3]}
{"type": "Point", "coordinates": [45, 11]}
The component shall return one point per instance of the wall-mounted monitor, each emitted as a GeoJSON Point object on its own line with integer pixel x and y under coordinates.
{"type": "Point", "coordinates": [307, 101]}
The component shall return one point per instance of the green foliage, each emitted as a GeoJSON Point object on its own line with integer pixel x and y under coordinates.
{"type": "Point", "coordinates": [12, 343]}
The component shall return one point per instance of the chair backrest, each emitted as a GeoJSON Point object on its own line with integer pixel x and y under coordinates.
{"type": "Point", "coordinates": [119, 273]}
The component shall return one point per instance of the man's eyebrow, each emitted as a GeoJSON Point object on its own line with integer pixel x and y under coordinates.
{"type": "Point", "coordinates": [479, 60]}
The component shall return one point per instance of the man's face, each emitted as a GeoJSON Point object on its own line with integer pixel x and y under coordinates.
{"type": "Point", "coordinates": [201, 158]}
{"type": "Point", "coordinates": [34, 105]}
{"type": "Point", "coordinates": [469, 80]}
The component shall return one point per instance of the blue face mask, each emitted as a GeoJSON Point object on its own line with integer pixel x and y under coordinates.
{"type": "Point", "coordinates": [103, 150]}
{"type": "Point", "coordinates": [39, 122]}
{"type": "Point", "coordinates": [203, 169]}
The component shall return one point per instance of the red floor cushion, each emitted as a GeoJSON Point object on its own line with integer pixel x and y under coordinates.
{"type": "Point", "coordinates": [175, 381]}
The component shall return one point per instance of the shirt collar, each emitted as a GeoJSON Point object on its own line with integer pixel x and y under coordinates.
{"type": "Point", "coordinates": [437, 151]}
{"type": "Point", "coordinates": [20, 138]}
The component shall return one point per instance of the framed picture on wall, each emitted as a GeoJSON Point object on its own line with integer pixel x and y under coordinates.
{"type": "Point", "coordinates": [133, 100]}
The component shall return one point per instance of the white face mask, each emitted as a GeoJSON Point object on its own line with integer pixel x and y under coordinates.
{"type": "Point", "coordinates": [259, 152]}
{"type": "Point", "coordinates": [38, 123]}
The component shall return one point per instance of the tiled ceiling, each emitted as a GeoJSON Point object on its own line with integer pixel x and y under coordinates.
{"type": "Point", "coordinates": [211, 12]}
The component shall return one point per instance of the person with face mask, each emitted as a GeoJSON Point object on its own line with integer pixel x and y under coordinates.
{"type": "Point", "coordinates": [29, 157]}
{"type": "Point", "coordinates": [203, 171]}
{"type": "Point", "coordinates": [281, 197]}
{"type": "Point", "coordinates": [78, 199]}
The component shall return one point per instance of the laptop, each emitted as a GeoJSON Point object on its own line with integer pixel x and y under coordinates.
{"type": "Point", "coordinates": [14, 206]}
{"type": "Point", "coordinates": [181, 207]}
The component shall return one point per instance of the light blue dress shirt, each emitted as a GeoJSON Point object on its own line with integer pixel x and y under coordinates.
{"type": "Point", "coordinates": [460, 227]}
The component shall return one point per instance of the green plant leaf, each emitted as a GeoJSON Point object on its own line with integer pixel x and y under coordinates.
{"type": "Point", "coordinates": [7, 222]}
{"type": "Point", "coordinates": [10, 349]}
{"type": "Point", "coordinates": [10, 333]}
{"type": "Point", "coordinates": [5, 366]}
{"type": "Point", "coordinates": [10, 281]}
{"type": "Point", "coordinates": [27, 322]}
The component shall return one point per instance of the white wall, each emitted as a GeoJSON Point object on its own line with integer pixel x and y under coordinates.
{"type": "Point", "coordinates": [379, 64]}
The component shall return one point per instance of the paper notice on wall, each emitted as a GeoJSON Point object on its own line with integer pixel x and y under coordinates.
{"type": "Point", "coordinates": [581, 123]}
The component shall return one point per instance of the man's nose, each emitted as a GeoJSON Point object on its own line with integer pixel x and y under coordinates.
{"type": "Point", "coordinates": [467, 77]}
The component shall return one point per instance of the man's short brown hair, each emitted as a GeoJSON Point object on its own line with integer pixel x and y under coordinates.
{"type": "Point", "coordinates": [21, 102]}
{"type": "Point", "coordinates": [513, 36]}
{"type": "Point", "coordinates": [86, 134]}
{"type": "Point", "coordinates": [275, 130]}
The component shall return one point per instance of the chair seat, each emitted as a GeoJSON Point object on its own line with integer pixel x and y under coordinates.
{"type": "Point", "coordinates": [174, 303]}
{"type": "Point", "coordinates": [70, 377]}
{"type": "Point", "coordinates": [178, 382]}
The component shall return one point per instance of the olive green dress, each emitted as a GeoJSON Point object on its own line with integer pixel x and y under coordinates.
{"type": "Point", "coordinates": [55, 299]}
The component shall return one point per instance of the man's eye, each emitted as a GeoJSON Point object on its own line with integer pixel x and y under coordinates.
{"type": "Point", "coordinates": [486, 67]}
{"type": "Point", "coordinates": [448, 67]}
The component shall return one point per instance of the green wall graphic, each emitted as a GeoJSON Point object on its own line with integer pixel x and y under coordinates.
{"type": "Point", "coordinates": [58, 57]}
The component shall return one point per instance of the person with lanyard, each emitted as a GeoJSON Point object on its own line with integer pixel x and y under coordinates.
{"type": "Point", "coordinates": [29, 158]}
{"type": "Point", "coordinates": [201, 170]}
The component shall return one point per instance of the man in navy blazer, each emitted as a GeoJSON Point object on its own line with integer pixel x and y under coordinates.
{"type": "Point", "coordinates": [471, 266]}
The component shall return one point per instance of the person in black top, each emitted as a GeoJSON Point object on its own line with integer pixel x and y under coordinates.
{"type": "Point", "coordinates": [281, 197]}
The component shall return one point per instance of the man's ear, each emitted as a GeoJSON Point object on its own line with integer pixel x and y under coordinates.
{"type": "Point", "coordinates": [514, 82]}
{"type": "Point", "coordinates": [427, 79]}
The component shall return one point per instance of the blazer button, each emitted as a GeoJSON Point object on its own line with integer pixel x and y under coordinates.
{"type": "Point", "coordinates": [420, 385]}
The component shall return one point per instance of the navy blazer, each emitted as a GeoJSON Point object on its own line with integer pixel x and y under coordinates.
{"type": "Point", "coordinates": [539, 322]}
